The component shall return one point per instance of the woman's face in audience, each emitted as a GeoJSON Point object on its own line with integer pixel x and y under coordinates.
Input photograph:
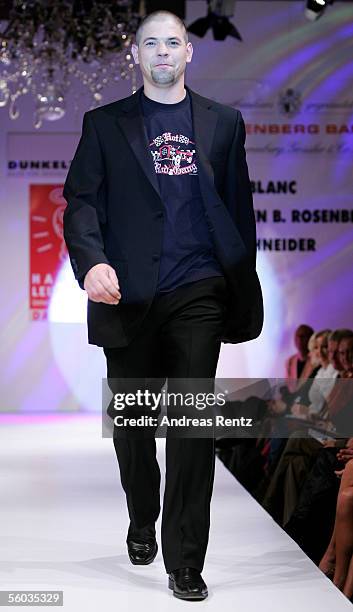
{"type": "Point", "coordinates": [301, 339]}
{"type": "Point", "coordinates": [345, 353]}
{"type": "Point", "coordinates": [314, 352]}
{"type": "Point", "coordinates": [333, 354]}
{"type": "Point", "coordinates": [317, 353]}
{"type": "Point", "coordinates": [324, 352]}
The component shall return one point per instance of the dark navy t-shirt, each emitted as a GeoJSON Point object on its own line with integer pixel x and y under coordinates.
{"type": "Point", "coordinates": [188, 251]}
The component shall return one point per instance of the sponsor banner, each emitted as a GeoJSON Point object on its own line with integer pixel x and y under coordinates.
{"type": "Point", "coordinates": [40, 154]}
{"type": "Point", "coordinates": [47, 247]}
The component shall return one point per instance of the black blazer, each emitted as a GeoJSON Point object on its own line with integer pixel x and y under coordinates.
{"type": "Point", "coordinates": [115, 214]}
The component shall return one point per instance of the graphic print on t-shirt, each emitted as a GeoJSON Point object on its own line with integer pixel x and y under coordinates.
{"type": "Point", "coordinates": [173, 154]}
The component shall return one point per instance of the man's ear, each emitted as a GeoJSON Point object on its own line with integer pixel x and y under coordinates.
{"type": "Point", "coordinates": [190, 52]}
{"type": "Point", "coordinates": [134, 51]}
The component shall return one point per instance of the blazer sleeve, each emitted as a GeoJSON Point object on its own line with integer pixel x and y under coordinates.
{"type": "Point", "coordinates": [84, 215]}
{"type": "Point", "coordinates": [238, 191]}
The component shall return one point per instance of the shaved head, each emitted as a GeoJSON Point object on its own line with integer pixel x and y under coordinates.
{"type": "Point", "coordinates": [159, 15]}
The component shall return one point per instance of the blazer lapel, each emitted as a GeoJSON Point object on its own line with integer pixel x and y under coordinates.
{"type": "Point", "coordinates": [204, 126]}
{"type": "Point", "coordinates": [131, 122]}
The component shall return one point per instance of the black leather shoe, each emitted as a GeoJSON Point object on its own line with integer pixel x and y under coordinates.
{"type": "Point", "coordinates": [186, 583]}
{"type": "Point", "coordinates": [142, 553]}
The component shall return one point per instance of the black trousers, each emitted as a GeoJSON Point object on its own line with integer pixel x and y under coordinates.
{"type": "Point", "coordinates": [179, 338]}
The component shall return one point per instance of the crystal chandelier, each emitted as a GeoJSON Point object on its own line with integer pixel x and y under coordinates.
{"type": "Point", "coordinates": [46, 45]}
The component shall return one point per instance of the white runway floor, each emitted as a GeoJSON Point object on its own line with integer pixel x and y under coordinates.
{"type": "Point", "coordinates": [64, 521]}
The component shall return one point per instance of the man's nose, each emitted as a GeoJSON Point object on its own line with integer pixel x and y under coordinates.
{"type": "Point", "coordinates": [162, 49]}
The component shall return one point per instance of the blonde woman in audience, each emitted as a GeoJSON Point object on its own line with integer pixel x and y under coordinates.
{"type": "Point", "coordinates": [323, 381]}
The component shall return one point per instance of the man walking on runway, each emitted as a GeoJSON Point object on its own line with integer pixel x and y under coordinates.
{"type": "Point", "coordinates": [160, 230]}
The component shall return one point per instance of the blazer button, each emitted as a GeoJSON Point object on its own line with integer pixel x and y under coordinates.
{"type": "Point", "coordinates": [155, 257]}
{"type": "Point", "coordinates": [159, 215]}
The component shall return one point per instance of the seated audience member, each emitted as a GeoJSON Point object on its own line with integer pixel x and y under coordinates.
{"type": "Point", "coordinates": [312, 521]}
{"type": "Point", "coordinates": [337, 562]}
{"type": "Point", "coordinates": [281, 428]}
{"type": "Point", "coordinates": [298, 366]}
{"type": "Point", "coordinates": [247, 459]}
{"type": "Point", "coordinates": [283, 406]}
{"type": "Point", "coordinates": [338, 407]}
{"type": "Point", "coordinates": [310, 404]}
{"type": "Point", "coordinates": [301, 449]}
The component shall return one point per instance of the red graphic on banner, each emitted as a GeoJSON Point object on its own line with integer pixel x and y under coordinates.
{"type": "Point", "coordinates": [47, 247]}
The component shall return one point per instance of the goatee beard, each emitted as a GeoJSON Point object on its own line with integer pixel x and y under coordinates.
{"type": "Point", "coordinates": [161, 78]}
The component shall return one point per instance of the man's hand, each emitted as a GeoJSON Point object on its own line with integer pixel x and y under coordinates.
{"type": "Point", "coordinates": [329, 443]}
{"type": "Point", "coordinates": [102, 285]}
{"type": "Point", "coordinates": [300, 410]}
